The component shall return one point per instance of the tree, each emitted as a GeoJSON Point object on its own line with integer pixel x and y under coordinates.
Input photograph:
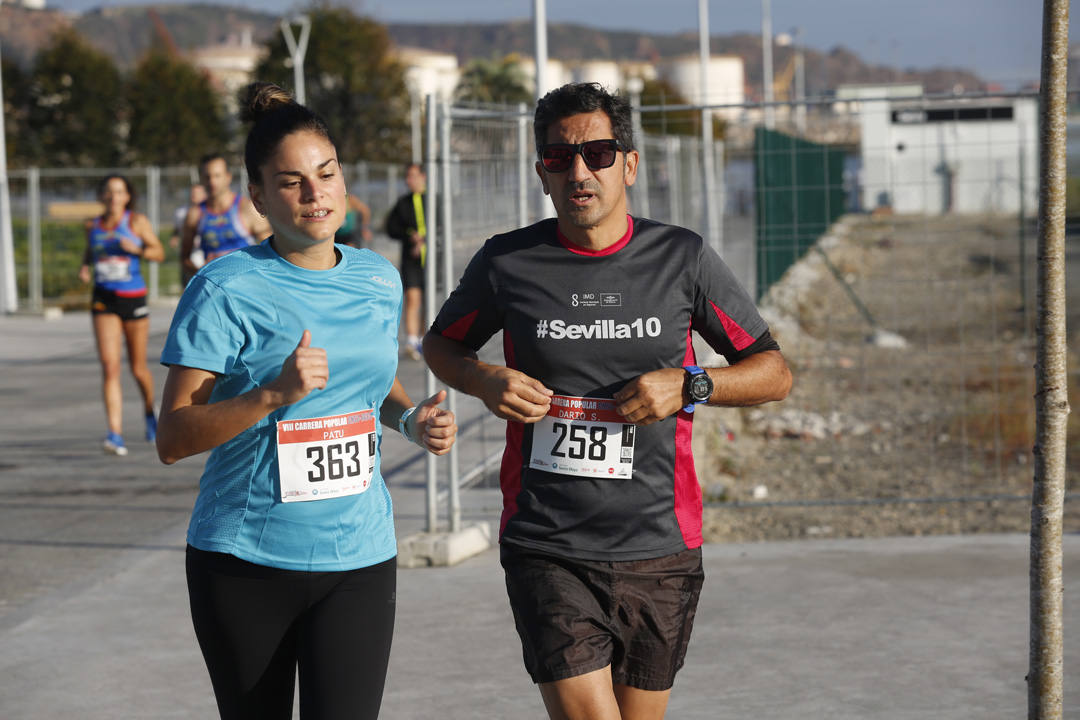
{"type": "Point", "coordinates": [17, 136]}
{"type": "Point", "coordinates": [674, 122]}
{"type": "Point", "coordinates": [176, 116]}
{"type": "Point", "coordinates": [77, 104]}
{"type": "Point", "coordinates": [352, 80]}
{"type": "Point", "coordinates": [493, 81]}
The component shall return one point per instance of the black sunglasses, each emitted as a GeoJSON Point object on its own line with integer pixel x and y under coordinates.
{"type": "Point", "coordinates": [597, 154]}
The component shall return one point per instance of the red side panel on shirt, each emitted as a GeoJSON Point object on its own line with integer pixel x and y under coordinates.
{"type": "Point", "coordinates": [459, 329]}
{"type": "Point", "coordinates": [510, 470]}
{"type": "Point", "coordinates": [687, 489]}
{"type": "Point", "coordinates": [739, 337]}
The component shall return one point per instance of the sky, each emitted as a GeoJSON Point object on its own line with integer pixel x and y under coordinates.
{"type": "Point", "coordinates": [997, 39]}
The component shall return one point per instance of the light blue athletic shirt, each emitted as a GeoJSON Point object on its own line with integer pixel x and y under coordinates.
{"type": "Point", "coordinates": [240, 318]}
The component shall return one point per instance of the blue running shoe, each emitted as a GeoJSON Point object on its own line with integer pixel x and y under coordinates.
{"type": "Point", "coordinates": [114, 444]}
{"type": "Point", "coordinates": [151, 427]}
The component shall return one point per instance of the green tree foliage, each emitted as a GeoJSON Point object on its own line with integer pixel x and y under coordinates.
{"type": "Point", "coordinates": [352, 80]}
{"type": "Point", "coordinates": [673, 122]}
{"type": "Point", "coordinates": [17, 138]}
{"type": "Point", "coordinates": [176, 116]}
{"type": "Point", "coordinates": [493, 81]}
{"type": "Point", "coordinates": [76, 105]}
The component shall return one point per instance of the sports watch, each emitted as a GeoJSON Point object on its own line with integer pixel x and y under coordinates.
{"type": "Point", "coordinates": [699, 386]}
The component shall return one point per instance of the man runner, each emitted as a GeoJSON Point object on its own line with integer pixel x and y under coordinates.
{"type": "Point", "coordinates": [224, 222]}
{"type": "Point", "coordinates": [601, 525]}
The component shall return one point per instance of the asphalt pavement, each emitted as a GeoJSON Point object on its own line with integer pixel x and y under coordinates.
{"type": "Point", "coordinates": [94, 620]}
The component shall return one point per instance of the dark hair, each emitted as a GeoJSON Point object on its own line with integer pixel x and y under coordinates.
{"type": "Point", "coordinates": [578, 98]}
{"type": "Point", "coordinates": [273, 114]}
{"type": "Point", "coordinates": [210, 157]}
{"type": "Point", "coordinates": [418, 166]}
{"type": "Point", "coordinates": [127, 184]}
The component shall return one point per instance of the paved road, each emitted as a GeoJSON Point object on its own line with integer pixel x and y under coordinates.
{"type": "Point", "coordinates": [94, 624]}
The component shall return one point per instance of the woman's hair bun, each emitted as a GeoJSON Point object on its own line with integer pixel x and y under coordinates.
{"type": "Point", "coordinates": [260, 98]}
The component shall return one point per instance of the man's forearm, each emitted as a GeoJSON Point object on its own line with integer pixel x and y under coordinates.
{"type": "Point", "coordinates": [453, 362]}
{"type": "Point", "coordinates": [760, 378]}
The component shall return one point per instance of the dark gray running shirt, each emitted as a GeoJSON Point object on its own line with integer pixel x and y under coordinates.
{"type": "Point", "coordinates": [579, 484]}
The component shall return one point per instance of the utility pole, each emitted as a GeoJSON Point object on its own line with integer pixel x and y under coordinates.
{"type": "Point", "coordinates": [540, 32]}
{"type": "Point", "coordinates": [712, 234]}
{"type": "Point", "coordinates": [766, 62]}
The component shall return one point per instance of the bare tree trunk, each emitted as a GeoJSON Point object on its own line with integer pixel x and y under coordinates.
{"type": "Point", "coordinates": [1045, 692]}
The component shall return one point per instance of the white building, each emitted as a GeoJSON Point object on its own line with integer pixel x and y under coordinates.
{"type": "Point", "coordinates": [935, 157]}
{"type": "Point", "coordinates": [429, 73]}
{"type": "Point", "coordinates": [557, 74]}
{"type": "Point", "coordinates": [230, 64]}
{"type": "Point", "coordinates": [28, 4]}
{"type": "Point", "coordinates": [605, 72]}
{"type": "Point", "coordinates": [727, 81]}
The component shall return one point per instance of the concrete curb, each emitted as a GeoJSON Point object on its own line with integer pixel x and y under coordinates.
{"type": "Point", "coordinates": [443, 549]}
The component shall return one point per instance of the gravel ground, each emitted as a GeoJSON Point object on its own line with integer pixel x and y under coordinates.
{"type": "Point", "coordinates": [912, 412]}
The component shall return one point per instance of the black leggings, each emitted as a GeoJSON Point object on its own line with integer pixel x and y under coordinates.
{"type": "Point", "coordinates": [255, 624]}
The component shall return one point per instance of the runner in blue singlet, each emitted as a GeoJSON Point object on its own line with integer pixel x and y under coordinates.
{"type": "Point", "coordinates": [225, 222]}
{"type": "Point", "coordinates": [117, 243]}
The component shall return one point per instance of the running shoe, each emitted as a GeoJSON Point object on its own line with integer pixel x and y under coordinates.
{"type": "Point", "coordinates": [151, 427]}
{"type": "Point", "coordinates": [114, 444]}
{"type": "Point", "coordinates": [414, 349]}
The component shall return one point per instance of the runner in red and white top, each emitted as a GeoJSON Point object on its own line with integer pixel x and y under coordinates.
{"type": "Point", "coordinates": [596, 309]}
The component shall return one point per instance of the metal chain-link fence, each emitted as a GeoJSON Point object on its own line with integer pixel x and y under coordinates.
{"type": "Point", "coordinates": [908, 322]}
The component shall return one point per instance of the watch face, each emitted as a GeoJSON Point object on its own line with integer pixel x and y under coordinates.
{"type": "Point", "coordinates": [700, 387]}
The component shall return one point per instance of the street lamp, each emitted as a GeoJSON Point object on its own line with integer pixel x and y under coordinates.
{"type": "Point", "coordinates": [297, 51]}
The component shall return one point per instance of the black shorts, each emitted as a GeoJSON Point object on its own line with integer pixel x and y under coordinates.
{"type": "Point", "coordinates": [576, 616]}
{"type": "Point", "coordinates": [412, 271]}
{"type": "Point", "coordinates": [108, 302]}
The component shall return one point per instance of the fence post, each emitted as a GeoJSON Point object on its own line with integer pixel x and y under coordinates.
{"type": "Point", "coordinates": [153, 210]}
{"type": "Point", "coordinates": [721, 194]}
{"type": "Point", "coordinates": [9, 293]}
{"type": "Point", "coordinates": [430, 280]}
{"type": "Point", "coordinates": [1022, 235]}
{"type": "Point", "coordinates": [523, 165]}
{"type": "Point", "coordinates": [1045, 658]}
{"type": "Point", "coordinates": [641, 186]}
{"type": "Point", "coordinates": [33, 200]}
{"type": "Point", "coordinates": [363, 180]}
{"type": "Point", "coordinates": [391, 185]}
{"type": "Point", "coordinates": [674, 164]}
{"type": "Point", "coordinates": [445, 120]}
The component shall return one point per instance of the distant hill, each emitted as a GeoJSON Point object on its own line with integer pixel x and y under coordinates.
{"type": "Point", "coordinates": [824, 70]}
{"type": "Point", "coordinates": [127, 32]}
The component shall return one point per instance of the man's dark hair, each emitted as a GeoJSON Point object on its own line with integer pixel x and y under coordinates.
{"type": "Point", "coordinates": [578, 98]}
{"type": "Point", "coordinates": [210, 157]}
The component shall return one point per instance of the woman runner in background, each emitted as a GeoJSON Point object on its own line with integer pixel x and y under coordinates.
{"type": "Point", "coordinates": [117, 243]}
{"type": "Point", "coordinates": [282, 360]}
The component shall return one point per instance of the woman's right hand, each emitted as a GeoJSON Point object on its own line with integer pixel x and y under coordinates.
{"type": "Point", "coordinates": [84, 274]}
{"type": "Point", "coordinates": [306, 369]}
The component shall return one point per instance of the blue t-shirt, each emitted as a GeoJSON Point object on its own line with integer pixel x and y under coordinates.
{"type": "Point", "coordinates": [240, 318]}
